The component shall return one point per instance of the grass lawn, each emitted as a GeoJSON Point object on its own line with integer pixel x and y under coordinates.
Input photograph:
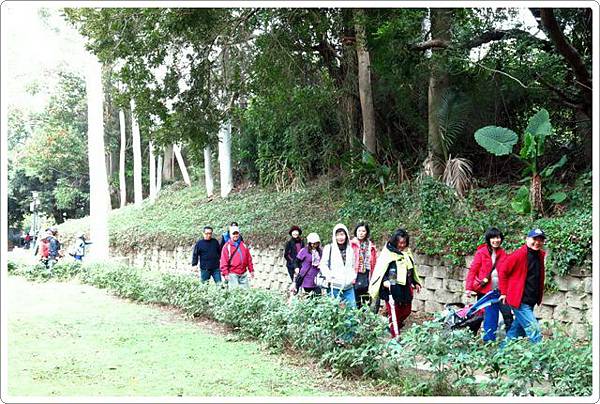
{"type": "Point", "coordinates": [68, 339]}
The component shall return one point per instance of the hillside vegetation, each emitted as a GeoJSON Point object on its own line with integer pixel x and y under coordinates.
{"type": "Point", "coordinates": [439, 222]}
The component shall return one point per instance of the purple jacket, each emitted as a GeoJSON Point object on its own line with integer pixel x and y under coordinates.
{"type": "Point", "coordinates": [307, 269]}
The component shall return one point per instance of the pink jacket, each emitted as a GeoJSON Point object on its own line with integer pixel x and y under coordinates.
{"type": "Point", "coordinates": [355, 244]}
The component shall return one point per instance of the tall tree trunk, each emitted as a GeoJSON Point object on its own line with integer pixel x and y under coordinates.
{"type": "Point", "coordinates": [364, 85]}
{"type": "Point", "coordinates": [122, 183]}
{"type": "Point", "coordinates": [441, 21]}
{"type": "Point", "coordinates": [181, 163]}
{"type": "Point", "coordinates": [158, 176]}
{"type": "Point", "coordinates": [348, 80]}
{"type": "Point", "coordinates": [208, 175]}
{"type": "Point", "coordinates": [137, 157]}
{"type": "Point", "coordinates": [225, 159]}
{"type": "Point", "coordinates": [151, 171]}
{"type": "Point", "coordinates": [99, 194]}
{"type": "Point", "coordinates": [167, 170]}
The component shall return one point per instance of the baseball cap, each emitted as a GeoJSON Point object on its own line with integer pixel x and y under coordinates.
{"type": "Point", "coordinates": [234, 229]}
{"type": "Point", "coordinates": [536, 233]}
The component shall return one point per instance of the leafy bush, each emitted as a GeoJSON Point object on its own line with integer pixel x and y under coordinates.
{"type": "Point", "coordinates": [356, 342]}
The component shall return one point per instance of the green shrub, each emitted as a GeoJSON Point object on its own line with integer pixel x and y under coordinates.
{"type": "Point", "coordinates": [356, 342]}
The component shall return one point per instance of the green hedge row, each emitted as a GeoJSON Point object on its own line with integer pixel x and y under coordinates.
{"type": "Point", "coordinates": [356, 342]}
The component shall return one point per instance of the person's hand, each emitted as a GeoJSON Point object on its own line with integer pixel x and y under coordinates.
{"type": "Point", "coordinates": [297, 271]}
{"type": "Point", "coordinates": [387, 284]}
{"type": "Point", "coordinates": [418, 288]}
{"type": "Point", "coordinates": [251, 275]}
{"type": "Point", "coordinates": [226, 277]}
{"type": "Point", "coordinates": [502, 299]}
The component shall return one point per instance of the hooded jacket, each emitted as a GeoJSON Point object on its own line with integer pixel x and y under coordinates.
{"type": "Point", "coordinates": [404, 262]}
{"type": "Point", "coordinates": [481, 268]}
{"type": "Point", "coordinates": [341, 275]}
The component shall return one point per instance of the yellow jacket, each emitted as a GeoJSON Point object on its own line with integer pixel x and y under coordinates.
{"type": "Point", "coordinates": [404, 262]}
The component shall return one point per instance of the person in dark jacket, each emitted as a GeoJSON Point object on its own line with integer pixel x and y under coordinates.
{"type": "Point", "coordinates": [483, 278]}
{"type": "Point", "coordinates": [291, 250]}
{"type": "Point", "coordinates": [208, 251]}
{"type": "Point", "coordinates": [521, 280]}
{"type": "Point", "coordinates": [54, 249]}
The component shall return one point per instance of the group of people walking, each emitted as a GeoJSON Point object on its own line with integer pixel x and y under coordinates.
{"type": "Point", "coordinates": [351, 269]}
{"type": "Point", "coordinates": [49, 249]}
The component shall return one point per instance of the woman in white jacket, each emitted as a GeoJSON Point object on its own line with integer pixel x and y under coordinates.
{"type": "Point", "coordinates": [337, 265]}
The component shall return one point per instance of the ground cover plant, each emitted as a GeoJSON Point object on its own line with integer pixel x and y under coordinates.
{"type": "Point", "coordinates": [357, 342]}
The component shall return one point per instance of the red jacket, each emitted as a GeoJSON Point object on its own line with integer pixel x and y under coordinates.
{"type": "Point", "coordinates": [513, 274]}
{"type": "Point", "coordinates": [241, 261]}
{"type": "Point", "coordinates": [355, 244]}
{"type": "Point", "coordinates": [481, 268]}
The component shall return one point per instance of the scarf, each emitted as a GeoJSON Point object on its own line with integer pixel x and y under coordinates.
{"type": "Point", "coordinates": [364, 257]}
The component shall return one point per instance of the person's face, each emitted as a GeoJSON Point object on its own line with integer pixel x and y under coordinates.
{"type": "Point", "coordinates": [235, 236]}
{"type": "Point", "coordinates": [340, 237]}
{"type": "Point", "coordinates": [361, 232]}
{"type": "Point", "coordinates": [208, 234]}
{"type": "Point", "coordinates": [295, 233]}
{"type": "Point", "coordinates": [535, 243]}
{"type": "Point", "coordinates": [495, 242]}
{"type": "Point", "coordinates": [401, 244]}
{"type": "Point", "coordinates": [315, 245]}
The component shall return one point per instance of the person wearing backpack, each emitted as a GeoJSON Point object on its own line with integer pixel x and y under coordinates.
{"type": "Point", "coordinates": [483, 278]}
{"type": "Point", "coordinates": [337, 266]}
{"type": "Point", "coordinates": [365, 258]}
{"type": "Point", "coordinates": [236, 261]}
{"type": "Point", "coordinates": [54, 250]}
{"type": "Point", "coordinates": [43, 248]}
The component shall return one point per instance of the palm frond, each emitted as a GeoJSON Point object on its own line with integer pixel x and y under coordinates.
{"type": "Point", "coordinates": [458, 174]}
{"type": "Point", "coordinates": [453, 113]}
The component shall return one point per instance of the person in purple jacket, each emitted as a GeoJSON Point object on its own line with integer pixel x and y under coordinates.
{"type": "Point", "coordinates": [308, 260]}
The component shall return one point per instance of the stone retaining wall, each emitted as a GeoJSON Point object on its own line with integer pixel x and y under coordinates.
{"type": "Point", "coordinates": [571, 304]}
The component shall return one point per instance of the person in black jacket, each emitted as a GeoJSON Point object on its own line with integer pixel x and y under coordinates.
{"type": "Point", "coordinates": [292, 247]}
{"type": "Point", "coordinates": [208, 251]}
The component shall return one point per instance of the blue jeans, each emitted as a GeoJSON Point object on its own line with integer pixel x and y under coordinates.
{"type": "Point", "coordinates": [525, 324]}
{"type": "Point", "coordinates": [238, 281]}
{"type": "Point", "coordinates": [346, 296]}
{"type": "Point", "coordinates": [491, 316]}
{"type": "Point", "coordinates": [205, 275]}
{"type": "Point", "coordinates": [78, 257]}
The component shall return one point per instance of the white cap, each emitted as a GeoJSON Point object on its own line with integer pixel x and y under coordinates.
{"type": "Point", "coordinates": [313, 238]}
{"type": "Point", "coordinates": [233, 229]}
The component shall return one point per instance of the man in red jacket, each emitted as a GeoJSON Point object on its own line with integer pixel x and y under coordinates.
{"type": "Point", "coordinates": [236, 261]}
{"type": "Point", "coordinates": [521, 282]}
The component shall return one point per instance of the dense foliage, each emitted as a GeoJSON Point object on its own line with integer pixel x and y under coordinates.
{"type": "Point", "coordinates": [355, 342]}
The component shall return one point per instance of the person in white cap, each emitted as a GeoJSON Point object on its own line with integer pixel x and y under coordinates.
{"type": "Point", "coordinates": [236, 261]}
{"type": "Point", "coordinates": [521, 283]}
{"type": "Point", "coordinates": [308, 260]}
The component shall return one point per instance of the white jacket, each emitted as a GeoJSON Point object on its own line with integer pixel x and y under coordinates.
{"type": "Point", "coordinates": [340, 275]}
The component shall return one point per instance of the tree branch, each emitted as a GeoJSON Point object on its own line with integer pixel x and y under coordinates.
{"type": "Point", "coordinates": [486, 37]}
{"type": "Point", "coordinates": [565, 48]}
{"type": "Point", "coordinates": [499, 71]}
